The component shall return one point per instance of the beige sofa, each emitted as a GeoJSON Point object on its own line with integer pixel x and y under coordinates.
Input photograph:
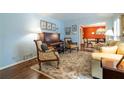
{"type": "Point", "coordinates": [114, 50]}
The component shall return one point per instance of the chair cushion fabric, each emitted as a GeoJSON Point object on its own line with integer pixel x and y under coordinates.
{"type": "Point", "coordinates": [73, 46]}
{"type": "Point", "coordinates": [44, 47]}
{"type": "Point", "coordinates": [47, 56]}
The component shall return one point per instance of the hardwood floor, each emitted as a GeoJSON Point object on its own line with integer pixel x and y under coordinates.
{"type": "Point", "coordinates": [21, 71]}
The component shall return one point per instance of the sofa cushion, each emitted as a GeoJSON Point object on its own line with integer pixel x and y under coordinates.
{"type": "Point", "coordinates": [112, 42]}
{"type": "Point", "coordinates": [98, 56]}
{"type": "Point", "coordinates": [47, 56]}
{"type": "Point", "coordinates": [109, 49]}
{"type": "Point", "coordinates": [120, 49]}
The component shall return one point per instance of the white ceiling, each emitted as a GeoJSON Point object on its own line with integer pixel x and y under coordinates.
{"type": "Point", "coordinates": [76, 16]}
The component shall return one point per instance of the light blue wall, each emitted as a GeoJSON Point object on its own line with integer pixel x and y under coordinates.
{"type": "Point", "coordinates": [80, 22]}
{"type": "Point", "coordinates": [19, 31]}
{"type": "Point", "coordinates": [0, 50]}
{"type": "Point", "coordinates": [1, 44]}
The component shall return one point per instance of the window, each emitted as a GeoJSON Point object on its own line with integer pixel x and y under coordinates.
{"type": "Point", "coordinates": [116, 29]}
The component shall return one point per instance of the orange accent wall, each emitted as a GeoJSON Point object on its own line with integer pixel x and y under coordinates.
{"type": "Point", "coordinates": [87, 32]}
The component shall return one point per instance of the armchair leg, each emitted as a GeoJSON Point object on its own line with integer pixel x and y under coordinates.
{"type": "Point", "coordinates": [39, 66]}
{"type": "Point", "coordinates": [58, 64]}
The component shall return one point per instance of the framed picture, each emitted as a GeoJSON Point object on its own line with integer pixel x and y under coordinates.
{"type": "Point", "coordinates": [49, 26]}
{"type": "Point", "coordinates": [74, 29]}
{"type": "Point", "coordinates": [43, 25]}
{"type": "Point", "coordinates": [67, 30]}
{"type": "Point", "coordinates": [54, 27]}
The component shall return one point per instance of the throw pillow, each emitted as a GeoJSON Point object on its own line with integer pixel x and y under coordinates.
{"type": "Point", "coordinates": [109, 49]}
{"type": "Point", "coordinates": [44, 47]}
{"type": "Point", "coordinates": [120, 49]}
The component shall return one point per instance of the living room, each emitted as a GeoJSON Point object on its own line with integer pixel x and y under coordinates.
{"type": "Point", "coordinates": [86, 68]}
{"type": "Point", "coordinates": [19, 30]}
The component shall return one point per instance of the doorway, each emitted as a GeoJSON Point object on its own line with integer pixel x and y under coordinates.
{"type": "Point", "coordinates": [91, 35]}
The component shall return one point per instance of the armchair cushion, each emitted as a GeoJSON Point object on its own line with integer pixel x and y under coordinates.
{"type": "Point", "coordinates": [73, 46]}
{"type": "Point", "coordinates": [47, 56]}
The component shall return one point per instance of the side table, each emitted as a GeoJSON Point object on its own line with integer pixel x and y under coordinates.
{"type": "Point", "coordinates": [110, 68]}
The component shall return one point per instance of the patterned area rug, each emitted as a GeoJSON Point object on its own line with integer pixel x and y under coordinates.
{"type": "Point", "coordinates": [75, 65]}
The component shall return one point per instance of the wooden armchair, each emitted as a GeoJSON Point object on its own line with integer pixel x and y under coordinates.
{"type": "Point", "coordinates": [49, 55]}
{"type": "Point", "coordinates": [70, 45]}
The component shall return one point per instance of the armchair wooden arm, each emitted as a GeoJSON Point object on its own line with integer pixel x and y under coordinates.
{"type": "Point", "coordinates": [119, 62]}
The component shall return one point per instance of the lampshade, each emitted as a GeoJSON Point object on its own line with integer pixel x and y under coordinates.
{"type": "Point", "coordinates": [109, 32]}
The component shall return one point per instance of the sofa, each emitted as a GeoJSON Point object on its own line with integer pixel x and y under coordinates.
{"type": "Point", "coordinates": [114, 49]}
{"type": "Point", "coordinates": [98, 46]}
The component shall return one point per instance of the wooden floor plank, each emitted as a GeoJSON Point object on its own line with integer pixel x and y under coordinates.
{"type": "Point", "coordinates": [21, 71]}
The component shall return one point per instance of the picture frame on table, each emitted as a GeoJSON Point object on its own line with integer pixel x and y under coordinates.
{"type": "Point", "coordinates": [43, 25]}
{"type": "Point", "coordinates": [49, 26]}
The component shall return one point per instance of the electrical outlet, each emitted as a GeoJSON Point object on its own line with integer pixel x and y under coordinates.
{"type": "Point", "coordinates": [31, 55]}
{"type": "Point", "coordinates": [19, 58]}
{"type": "Point", "coordinates": [24, 57]}
{"type": "Point", "coordinates": [27, 56]}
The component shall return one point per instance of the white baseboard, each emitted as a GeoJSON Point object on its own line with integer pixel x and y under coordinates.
{"type": "Point", "coordinates": [17, 63]}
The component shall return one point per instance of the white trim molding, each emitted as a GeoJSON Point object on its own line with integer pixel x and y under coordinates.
{"type": "Point", "coordinates": [2, 68]}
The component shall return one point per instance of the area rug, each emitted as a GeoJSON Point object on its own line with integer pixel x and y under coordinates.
{"type": "Point", "coordinates": [75, 65]}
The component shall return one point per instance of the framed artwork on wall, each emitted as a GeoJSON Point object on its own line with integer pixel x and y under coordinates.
{"type": "Point", "coordinates": [53, 27]}
{"type": "Point", "coordinates": [49, 26]}
{"type": "Point", "coordinates": [43, 25]}
{"type": "Point", "coordinates": [74, 29]}
{"type": "Point", "coordinates": [67, 30]}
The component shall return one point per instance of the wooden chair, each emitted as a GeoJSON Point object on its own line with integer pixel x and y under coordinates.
{"type": "Point", "coordinates": [70, 45]}
{"type": "Point", "coordinates": [49, 55]}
